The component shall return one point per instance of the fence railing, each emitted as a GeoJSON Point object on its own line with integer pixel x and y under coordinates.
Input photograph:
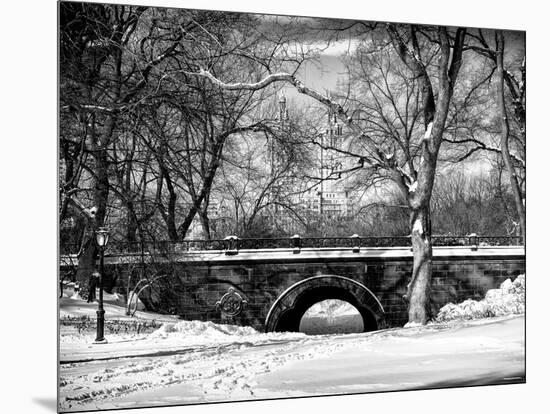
{"type": "Point", "coordinates": [233, 243]}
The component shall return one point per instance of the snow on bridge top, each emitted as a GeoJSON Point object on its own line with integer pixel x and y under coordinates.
{"type": "Point", "coordinates": [235, 243]}
{"type": "Point", "coordinates": [299, 254]}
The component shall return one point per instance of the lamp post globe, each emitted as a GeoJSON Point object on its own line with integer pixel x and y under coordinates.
{"type": "Point", "coordinates": [102, 238]}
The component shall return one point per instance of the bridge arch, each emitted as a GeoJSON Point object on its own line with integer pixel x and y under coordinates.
{"type": "Point", "coordinates": [287, 311]}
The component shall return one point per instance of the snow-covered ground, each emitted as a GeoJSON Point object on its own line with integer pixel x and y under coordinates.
{"type": "Point", "coordinates": [75, 307]}
{"type": "Point", "coordinates": [189, 361]}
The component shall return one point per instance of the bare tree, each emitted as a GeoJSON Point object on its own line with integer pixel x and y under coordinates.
{"type": "Point", "coordinates": [110, 58]}
{"type": "Point", "coordinates": [465, 203]}
{"type": "Point", "coordinates": [415, 181]}
{"type": "Point", "coordinates": [505, 128]}
{"type": "Point", "coordinates": [262, 176]}
{"type": "Point", "coordinates": [486, 125]}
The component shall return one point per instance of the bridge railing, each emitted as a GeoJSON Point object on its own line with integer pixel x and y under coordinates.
{"type": "Point", "coordinates": [169, 247]}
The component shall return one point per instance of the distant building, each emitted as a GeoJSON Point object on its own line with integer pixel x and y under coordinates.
{"type": "Point", "coordinates": [328, 197]}
{"type": "Point", "coordinates": [324, 200]}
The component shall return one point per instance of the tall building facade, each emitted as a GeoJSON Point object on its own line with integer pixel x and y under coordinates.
{"type": "Point", "coordinates": [327, 197]}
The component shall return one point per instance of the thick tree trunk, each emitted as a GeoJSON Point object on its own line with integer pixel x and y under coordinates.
{"type": "Point", "coordinates": [518, 199]}
{"type": "Point", "coordinates": [170, 217]}
{"type": "Point", "coordinates": [205, 188]}
{"type": "Point", "coordinates": [87, 257]}
{"type": "Point", "coordinates": [205, 223]}
{"type": "Point", "coordinates": [172, 230]}
{"type": "Point", "coordinates": [420, 185]}
{"type": "Point", "coordinates": [188, 220]}
{"type": "Point", "coordinates": [504, 135]}
{"type": "Point", "coordinates": [131, 225]}
{"type": "Point", "coordinates": [418, 290]}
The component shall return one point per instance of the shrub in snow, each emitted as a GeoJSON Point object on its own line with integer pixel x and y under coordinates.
{"type": "Point", "coordinates": [508, 299]}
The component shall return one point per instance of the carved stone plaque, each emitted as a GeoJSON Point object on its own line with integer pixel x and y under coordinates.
{"type": "Point", "coordinates": [232, 303]}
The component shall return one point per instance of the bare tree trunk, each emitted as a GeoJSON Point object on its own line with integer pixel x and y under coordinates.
{"type": "Point", "coordinates": [504, 134]}
{"type": "Point", "coordinates": [169, 214]}
{"type": "Point", "coordinates": [419, 192]}
{"type": "Point", "coordinates": [171, 218]}
{"type": "Point", "coordinates": [418, 290]}
{"type": "Point", "coordinates": [88, 254]}
{"type": "Point", "coordinates": [205, 222]}
{"type": "Point", "coordinates": [206, 186]}
{"type": "Point", "coordinates": [86, 258]}
{"type": "Point", "coordinates": [132, 224]}
{"type": "Point", "coordinates": [188, 220]}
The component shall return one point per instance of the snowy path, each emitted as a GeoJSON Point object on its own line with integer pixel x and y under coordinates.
{"type": "Point", "coordinates": [178, 370]}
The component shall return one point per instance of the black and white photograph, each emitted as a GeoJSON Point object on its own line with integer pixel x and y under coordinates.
{"type": "Point", "coordinates": [259, 206]}
{"type": "Point", "coordinates": [274, 206]}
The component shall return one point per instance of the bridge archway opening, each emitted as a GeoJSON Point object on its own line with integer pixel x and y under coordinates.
{"type": "Point", "coordinates": [287, 312]}
{"type": "Point", "coordinates": [331, 316]}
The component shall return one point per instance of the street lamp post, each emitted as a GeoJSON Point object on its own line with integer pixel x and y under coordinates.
{"type": "Point", "coordinates": [102, 238]}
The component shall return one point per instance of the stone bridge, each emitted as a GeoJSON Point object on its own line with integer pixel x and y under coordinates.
{"type": "Point", "coordinates": [271, 289]}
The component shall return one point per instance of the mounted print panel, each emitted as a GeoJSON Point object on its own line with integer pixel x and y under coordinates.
{"type": "Point", "coordinates": [261, 206]}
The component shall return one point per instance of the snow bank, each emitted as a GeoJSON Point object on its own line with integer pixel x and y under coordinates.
{"type": "Point", "coordinates": [115, 308]}
{"type": "Point", "coordinates": [71, 290]}
{"type": "Point", "coordinates": [205, 329]}
{"type": "Point", "coordinates": [196, 332]}
{"type": "Point", "coordinates": [110, 297]}
{"type": "Point", "coordinates": [200, 333]}
{"type": "Point", "coordinates": [506, 300]}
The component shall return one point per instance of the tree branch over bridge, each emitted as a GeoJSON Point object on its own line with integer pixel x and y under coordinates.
{"type": "Point", "coordinates": [416, 185]}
